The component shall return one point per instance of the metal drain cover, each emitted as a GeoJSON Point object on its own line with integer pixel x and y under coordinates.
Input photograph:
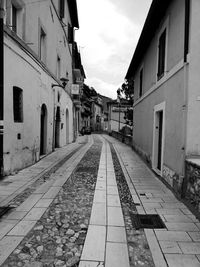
{"type": "Point", "coordinates": [150, 221]}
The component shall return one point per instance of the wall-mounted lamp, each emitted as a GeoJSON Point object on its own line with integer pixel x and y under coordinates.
{"type": "Point", "coordinates": [64, 82]}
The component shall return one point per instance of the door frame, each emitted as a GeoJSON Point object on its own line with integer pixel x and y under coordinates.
{"type": "Point", "coordinates": [158, 108]}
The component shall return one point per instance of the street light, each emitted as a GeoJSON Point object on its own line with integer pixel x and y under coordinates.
{"type": "Point", "coordinates": [64, 82]}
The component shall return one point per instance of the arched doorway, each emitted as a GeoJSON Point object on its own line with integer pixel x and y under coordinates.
{"type": "Point", "coordinates": [43, 130]}
{"type": "Point", "coordinates": [67, 126]}
{"type": "Point", "coordinates": [57, 128]}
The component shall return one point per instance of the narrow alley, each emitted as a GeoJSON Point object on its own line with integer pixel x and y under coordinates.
{"type": "Point", "coordinates": [79, 206]}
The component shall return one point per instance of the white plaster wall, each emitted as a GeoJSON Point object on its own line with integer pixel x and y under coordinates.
{"type": "Point", "coordinates": [43, 13]}
{"type": "Point", "coordinates": [143, 116]}
{"type": "Point", "coordinates": [22, 71]}
{"type": "Point", "coordinates": [169, 89]}
{"type": "Point", "coordinates": [175, 49]}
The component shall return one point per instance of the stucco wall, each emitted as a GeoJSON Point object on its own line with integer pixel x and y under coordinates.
{"type": "Point", "coordinates": [169, 89]}
{"type": "Point", "coordinates": [174, 21]}
{"type": "Point", "coordinates": [45, 15]}
{"type": "Point", "coordinates": [171, 93]}
{"type": "Point", "coordinates": [22, 71]}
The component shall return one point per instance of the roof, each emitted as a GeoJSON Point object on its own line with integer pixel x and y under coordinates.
{"type": "Point", "coordinates": [156, 13]}
{"type": "Point", "coordinates": [73, 12]}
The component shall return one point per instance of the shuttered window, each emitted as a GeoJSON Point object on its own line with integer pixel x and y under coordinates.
{"type": "Point", "coordinates": [161, 55]}
{"type": "Point", "coordinates": [17, 104]}
{"type": "Point", "coordinates": [70, 34]}
{"type": "Point", "coordinates": [62, 9]}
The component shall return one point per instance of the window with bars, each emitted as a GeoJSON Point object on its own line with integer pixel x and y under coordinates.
{"type": "Point", "coordinates": [161, 55]}
{"type": "Point", "coordinates": [141, 83]}
{"type": "Point", "coordinates": [17, 104]}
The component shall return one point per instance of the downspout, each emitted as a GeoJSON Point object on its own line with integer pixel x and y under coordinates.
{"type": "Point", "coordinates": [53, 139]}
{"type": "Point", "coordinates": [185, 105]}
{"type": "Point", "coordinates": [1, 87]}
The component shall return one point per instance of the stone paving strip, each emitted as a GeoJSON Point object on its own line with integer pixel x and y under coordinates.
{"type": "Point", "coordinates": [106, 243]}
{"type": "Point", "coordinates": [15, 226]}
{"type": "Point", "coordinates": [11, 186]}
{"type": "Point", "coordinates": [178, 245]}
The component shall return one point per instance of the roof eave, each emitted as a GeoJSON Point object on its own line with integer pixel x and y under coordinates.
{"type": "Point", "coordinates": [154, 17]}
{"type": "Point", "coordinates": [73, 13]}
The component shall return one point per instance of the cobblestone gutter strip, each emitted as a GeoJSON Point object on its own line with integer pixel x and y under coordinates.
{"type": "Point", "coordinates": [58, 237]}
{"type": "Point", "coordinates": [139, 252]}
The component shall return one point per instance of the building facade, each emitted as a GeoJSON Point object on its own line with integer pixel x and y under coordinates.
{"type": "Point", "coordinates": [165, 69]}
{"type": "Point", "coordinates": [116, 115]}
{"type": "Point", "coordinates": [38, 108]}
{"type": "Point", "coordinates": [97, 114]}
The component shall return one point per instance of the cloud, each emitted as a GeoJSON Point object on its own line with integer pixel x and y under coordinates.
{"type": "Point", "coordinates": [107, 38]}
{"type": "Point", "coordinates": [103, 88]}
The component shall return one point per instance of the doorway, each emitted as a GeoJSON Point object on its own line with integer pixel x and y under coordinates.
{"type": "Point", "coordinates": [67, 126]}
{"type": "Point", "coordinates": [43, 130]}
{"type": "Point", "coordinates": [57, 128]}
{"type": "Point", "coordinates": [158, 138]}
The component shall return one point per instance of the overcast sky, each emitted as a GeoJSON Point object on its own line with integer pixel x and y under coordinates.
{"type": "Point", "coordinates": [107, 37]}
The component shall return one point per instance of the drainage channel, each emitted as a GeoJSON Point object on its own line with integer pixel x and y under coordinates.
{"type": "Point", "coordinates": [139, 251]}
{"type": "Point", "coordinates": [19, 199]}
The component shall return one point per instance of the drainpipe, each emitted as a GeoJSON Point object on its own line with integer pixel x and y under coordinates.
{"type": "Point", "coordinates": [53, 141]}
{"type": "Point", "coordinates": [185, 105]}
{"type": "Point", "coordinates": [1, 87]}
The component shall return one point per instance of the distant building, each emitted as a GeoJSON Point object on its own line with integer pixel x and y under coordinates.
{"type": "Point", "coordinates": [165, 68]}
{"type": "Point", "coordinates": [38, 67]}
{"type": "Point", "coordinates": [105, 100]}
{"type": "Point", "coordinates": [97, 114]}
{"type": "Point", "coordinates": [86, 107]}
{"type": "Point", "coordinates": [116, 114]}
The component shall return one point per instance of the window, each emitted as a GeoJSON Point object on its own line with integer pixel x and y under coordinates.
{"type": "Point", "coordinates": [18, 104]}
{"type": "Point", "coordinates": [141, 83]}
{"type": "Point", "coordinates": [161, 55]}
{"type": "Point", "coordinates": [70, 34]}
{"type": "Point", "coordinates": [42, 45]}
{"type": "Point", "coordinates": [58, 67]}
{"type": "Point", "coordinates": [14, 18]}
{"type": "Point", "coordinates": [62, 9]}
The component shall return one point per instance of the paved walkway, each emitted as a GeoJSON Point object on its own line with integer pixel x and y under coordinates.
{"type": "Point", "coordinates": [179, 244]}
{"type": "Point", "coordinates": [106, 243]}
{"type": "Point", "coordinates": [106, 237]}
{"type": "Point", "coordinates": [13, 185]}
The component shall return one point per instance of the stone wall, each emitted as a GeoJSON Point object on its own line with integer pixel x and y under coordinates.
{"type": "Point", "coordinates": [123, 138]}
{"type": "Point", "coordinates": [192, 184]}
